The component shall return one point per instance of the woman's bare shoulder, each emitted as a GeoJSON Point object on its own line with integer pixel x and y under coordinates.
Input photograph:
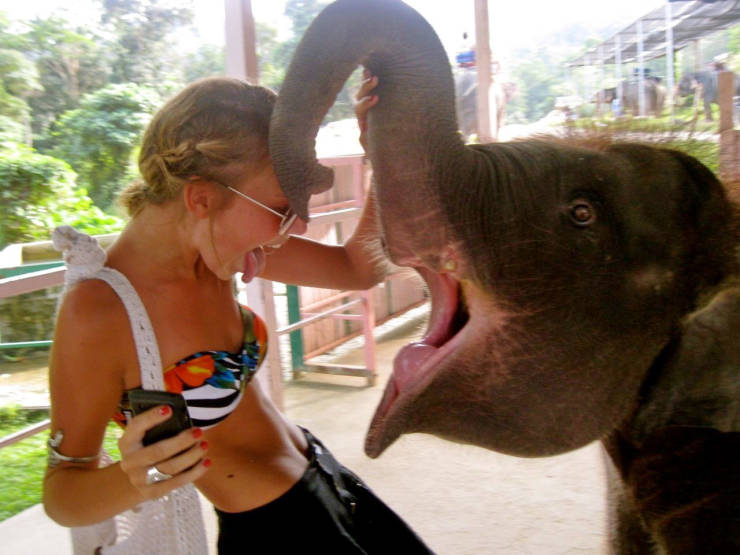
{"type": "Point", "coordinates": [92, 299]}
{"type": "Point", "coordinates": [92, 316]}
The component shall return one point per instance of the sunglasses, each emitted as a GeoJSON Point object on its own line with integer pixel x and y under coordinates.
{"type": "Point", "coordinates": [287, 219]}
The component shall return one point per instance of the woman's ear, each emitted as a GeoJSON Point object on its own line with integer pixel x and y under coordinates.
{"type": "Point", "coordinates": [200, 198]}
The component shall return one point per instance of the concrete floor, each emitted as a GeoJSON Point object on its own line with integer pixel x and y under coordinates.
{"type": "Point", "coordinates": [461, 500]}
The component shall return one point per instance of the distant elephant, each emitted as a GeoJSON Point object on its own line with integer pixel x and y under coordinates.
{"type": "Point", "coordinates": [466, 102]}
{"type": "Point", "coordinates": [581, 291]}
{"type": "Point", "coordinates": [690, 83]}
{"type": "Point", "coordinates": [654, 96]}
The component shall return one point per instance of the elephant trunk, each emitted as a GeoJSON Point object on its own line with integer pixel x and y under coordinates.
{"type": "Point", "coordinates": [411, 126]}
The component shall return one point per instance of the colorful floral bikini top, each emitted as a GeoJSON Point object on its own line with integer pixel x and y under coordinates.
{"type": "Point", "coordinates": [213, 382]}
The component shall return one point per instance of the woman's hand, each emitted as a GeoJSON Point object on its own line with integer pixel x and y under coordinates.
{"type": "Point", "coordinates": [181, 456]}
{"type": "Point", "coordinates": [363, 102]}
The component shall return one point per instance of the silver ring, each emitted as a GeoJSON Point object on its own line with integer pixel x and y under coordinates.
{"type": "Point", "coordinates": [154, 475]}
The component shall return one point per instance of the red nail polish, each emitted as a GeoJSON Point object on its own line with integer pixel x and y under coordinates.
{"type": "Point", "coordinates": [197, 432]}
{"type": "Point", "coordinates": [204, 445]}
{"type": "Point", "coordinates": [206, 462]}
{"type": "Point", "coordinates": [165, 410]}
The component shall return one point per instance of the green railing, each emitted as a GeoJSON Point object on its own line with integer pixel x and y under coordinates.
{"type": "Point", "coordinates": [28, 268]}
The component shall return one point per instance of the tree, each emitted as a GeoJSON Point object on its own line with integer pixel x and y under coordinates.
{"type": "Point", "coordinates": [99, 137]}
{"type": "Point", "coordinates": [39, 193]}
{"type": "Point", "coordinates": [206, 61]}
{"type": "Point", "coordinates": [70, 63]}
{"type": "Point", "coordinates": [18, 81]}
{"type": "Point", "coordinates": [141, 49]}
{"type": "Point", "coordinates": [540, 80]}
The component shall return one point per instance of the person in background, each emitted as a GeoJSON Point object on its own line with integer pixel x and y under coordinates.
{"type": "Point", "coordinates": [209, 206]}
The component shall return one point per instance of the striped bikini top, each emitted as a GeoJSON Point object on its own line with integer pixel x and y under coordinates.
{"type": "Point", "coordinates": [212, 382]}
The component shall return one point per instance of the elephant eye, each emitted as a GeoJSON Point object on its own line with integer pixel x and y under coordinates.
{"type": "Point", "coordinates": [582, 213]}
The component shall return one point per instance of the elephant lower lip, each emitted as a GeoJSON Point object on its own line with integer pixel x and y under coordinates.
{"type": "Point", "coordinates": [414, 365]}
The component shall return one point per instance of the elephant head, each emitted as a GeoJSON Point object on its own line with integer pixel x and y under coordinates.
{"type": "Point", "coordinates": [558, 272]}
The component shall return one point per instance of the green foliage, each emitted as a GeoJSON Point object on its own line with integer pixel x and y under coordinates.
{"type": "Point", "coordinates": [733, 48]}
{"type": "Point", "coordinates": [14, 417]}
{"type": "Point", "coordinates": [98, 138]}
{"type": "Point", "coordinates": [18, 80]}
{"type": "Point", "coordinates": [540, 79]}
{"type": "Point", "coordinates": [276, 55]}
{"type": "Point", "coordinates": [272, 68]}
{"type": "Point", "coordinates": [18, 75]}
{"type": "Point", "coordinates": [24, 463]}
{"type": "Point", "coordinates": [11, 131]}
{"type": "Point", "coordinates": [38, 193]}
{"type": "Point", "coordinates": [206, 61]}
{"type": "Point", "coordinates": [141, 51]}
{"type": "Point", "coordinates": [31, 183]}
{"type": "Point", "coordinates": [70, 63]}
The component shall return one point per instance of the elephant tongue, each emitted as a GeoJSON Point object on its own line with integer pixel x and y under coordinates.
{"type": "Point", "coordinates": [408, 362]}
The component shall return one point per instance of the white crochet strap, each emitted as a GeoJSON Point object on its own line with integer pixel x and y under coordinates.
{"type": "Point", "coordinates": [85, 259]}
{"type": "Point", "coordinates": [174, 522]}
{"type": "Point", "coordinates": [146, 343]}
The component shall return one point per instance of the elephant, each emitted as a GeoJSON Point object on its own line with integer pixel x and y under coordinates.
{"type": "Point", "coordinates": [707, 80]}
{"type": "Point", "coordinates": [654, 96]}
{"type": "Point", "coordinates": [466, 102]}
{"type": "Point", "coordinates": [581, 290]}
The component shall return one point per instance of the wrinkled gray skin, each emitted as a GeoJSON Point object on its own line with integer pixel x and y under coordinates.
{"type": "Point", "coordinates": [571, 284]}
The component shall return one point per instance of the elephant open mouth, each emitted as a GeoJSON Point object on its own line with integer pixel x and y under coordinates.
{"type": "Point", "coordinates": [416, 364]}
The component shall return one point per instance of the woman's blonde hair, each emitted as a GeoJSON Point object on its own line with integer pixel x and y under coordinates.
{"type": "Point", "coordinates": [215, 128]}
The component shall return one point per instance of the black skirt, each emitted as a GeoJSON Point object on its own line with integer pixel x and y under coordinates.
{"type": "Point", "coordinates": [329, 510]}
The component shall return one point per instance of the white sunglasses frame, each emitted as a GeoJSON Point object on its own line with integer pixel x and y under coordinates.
{"type": "Point", "coordinates": [286, 220]}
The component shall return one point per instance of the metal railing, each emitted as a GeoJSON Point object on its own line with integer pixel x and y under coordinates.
{"type": "Point", "coordinates": [34, 277]}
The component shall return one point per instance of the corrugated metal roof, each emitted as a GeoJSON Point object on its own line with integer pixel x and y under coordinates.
{"type": "Point", "coordinates": [691, 20]}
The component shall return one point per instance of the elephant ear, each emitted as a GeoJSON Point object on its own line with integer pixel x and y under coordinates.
{"type": "Point", "coordinates": [694, 380]}
{"type": "Point", "coordinates": [714, 220]}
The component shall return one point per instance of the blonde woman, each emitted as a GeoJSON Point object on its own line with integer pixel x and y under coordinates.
{"type": "Point", "coordinates": [208, 206]}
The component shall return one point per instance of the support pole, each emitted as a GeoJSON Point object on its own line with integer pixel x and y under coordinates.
{"type": "Point", "coordinates": [620, 72]}
{"type": "Point", "coordinates": [729, 138]}
{"type": "Point", "coordinates": [241, 62]}
{"type": "Point", "coordinates": [669, 69]}
{"type": "Point", "coordinates": [641, 69]}
{"type": "Point", "coordinates": [600, 92]}
{"type": "Point", "coordinates": [241, 41]}
{"type": "Point", "coordinates": [696, 47]}
{"type": "Point", "coordinates": [483, 70]}
{"type": "Point", "coordinates": [590, 77]}
{"type": "Point", "coordinates": [260, 299]}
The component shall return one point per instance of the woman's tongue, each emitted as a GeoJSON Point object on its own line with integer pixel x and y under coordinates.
{"type": "Point", "coordinates": [254, 263]}
{"type": "Point", "coordinates": [408, 361]}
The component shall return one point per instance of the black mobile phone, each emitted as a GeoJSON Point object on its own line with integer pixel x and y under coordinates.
{"type": "Point", "coordinates": [144, 399]}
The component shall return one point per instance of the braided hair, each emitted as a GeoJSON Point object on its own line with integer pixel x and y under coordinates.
{"type": "Point", "coordinates": [215, 128]}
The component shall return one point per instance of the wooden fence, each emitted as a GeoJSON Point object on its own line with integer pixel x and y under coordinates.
{"type": "Point", "coordinates": [729, 143]}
